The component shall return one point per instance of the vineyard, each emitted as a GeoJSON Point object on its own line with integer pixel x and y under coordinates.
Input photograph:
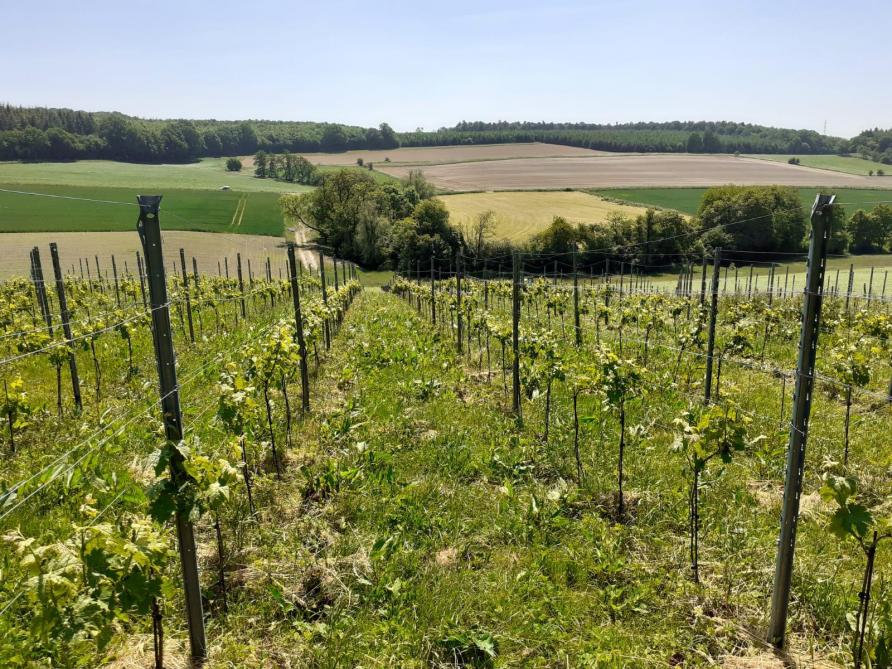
{"type": "Point", "coordinates": [471, 468]}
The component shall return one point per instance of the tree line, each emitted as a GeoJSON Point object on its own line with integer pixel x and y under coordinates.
{"type": "Point", "coordinates": [65, 134]}
{"type": "Point", "coordinates": [403, 226]}
{"type": "Point", "coordinates": [39, 133]}
{"type": "Point", "coordinates": [874, 144]}
{"type": "Point", "coordinates": [671, 137]}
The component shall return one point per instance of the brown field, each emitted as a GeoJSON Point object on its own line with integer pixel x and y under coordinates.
{"type": "Point", "coordinates": [630, 170]}
{"type": "Point", "coordinates": [207, 247]}
{"type": "Point", "coordinates": [440, 155]}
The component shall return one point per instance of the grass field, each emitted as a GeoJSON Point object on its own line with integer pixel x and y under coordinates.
{"type": "Point", "coordinates": [687, 200]}
{"type": "Point", "coordinates": [207, 211]}
{"type": "Point", "coordinates": [208, 173]}
{"type": "Point", "coordinates": [520, 215]}
{"type": "Point", "coordinates": [837, 275]}
{"type": "Point", "coordinates": [847, 164]}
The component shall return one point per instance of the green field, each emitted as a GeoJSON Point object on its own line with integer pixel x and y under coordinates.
{"type": "Point", "coordinates": [208, 173]}
{"type": "Point", "coordinates": [181, 209]}
{"type": "Point", "coordinates": [847, 164]}
{"type": "Point", "coordinates": [687, 200]}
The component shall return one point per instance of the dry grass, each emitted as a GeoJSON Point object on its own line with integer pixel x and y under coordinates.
{"type": "Point", "coordinates": [207, 247]}
{"type": "Point", "coordinates": [519, 215]}
{"type": "Point", "coordinates": [439, 155]}
{"type": "Point", "coordinates": [633, 171]}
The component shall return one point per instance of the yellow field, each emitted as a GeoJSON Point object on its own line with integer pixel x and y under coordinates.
{"type": "Point", "coordinates": [520, 215]}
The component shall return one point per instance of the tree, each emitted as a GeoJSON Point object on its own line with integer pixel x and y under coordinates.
{"type": "Point", "coordinates": [260, 164]}
{"type": "Point", "coordinates": [559, 237]}
{"type": "Point", "coordinates": [758, 218]}
{"type": "Point", "coordinates": [233, 165]}
{"type": "Point", "coordinates": [334, 138]}
{"type": "Point", "coordinates": [419, 182]}
{"type": "Point", "coordinates": [480, 230]}
{"type": "Point", "coordinates": [389, 139]}
{"type": "Point", "coordinates": [869, 231]}
{"type": "Point", "coordinates": [695, 143]}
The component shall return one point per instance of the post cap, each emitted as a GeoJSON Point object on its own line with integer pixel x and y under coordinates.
{"type": "Point", "coordinates": [149, 204]}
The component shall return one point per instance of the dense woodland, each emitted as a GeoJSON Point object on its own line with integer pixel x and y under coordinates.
{"type": "Point", "coordinates": [64, 134]}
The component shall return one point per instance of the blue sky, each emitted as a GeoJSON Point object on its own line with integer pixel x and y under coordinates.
{"type": "Point", "coordinates": [787, 63]}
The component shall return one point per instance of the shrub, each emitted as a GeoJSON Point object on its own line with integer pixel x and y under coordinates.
{"type": "Point", "coordinates": [793, 161]}
{"type": "Point", "coordinates": [233, 165]}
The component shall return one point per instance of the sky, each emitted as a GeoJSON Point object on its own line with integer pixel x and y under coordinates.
{"type": "Point", "coordinates": [423, 64]}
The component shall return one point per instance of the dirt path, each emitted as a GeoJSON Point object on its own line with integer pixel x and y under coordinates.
{"type": "Point", "coordinates": [306, 257]}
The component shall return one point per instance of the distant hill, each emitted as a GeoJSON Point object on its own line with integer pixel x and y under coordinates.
{"type": "Point", "coordinates": [40, 133]}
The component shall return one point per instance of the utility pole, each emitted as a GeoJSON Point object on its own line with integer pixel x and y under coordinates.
{"type": "Point", "coordinates": [802, 396]}
{"type": "Point", "coordinates": [149, 229]}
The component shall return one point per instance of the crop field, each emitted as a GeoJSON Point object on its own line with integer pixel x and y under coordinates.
{"type": "Point", "coordinates": [69, 208]}
{"type": "Point", "coordinates": [439, 155]}
{"type": "Point", "coordinates": [687, 200]}
{"type": "Point", "coordinates": [519, 215]}
{"type": "Point", "coordinates": [848, 164]}
{"type": "Point", "coordinates": [656, 170]}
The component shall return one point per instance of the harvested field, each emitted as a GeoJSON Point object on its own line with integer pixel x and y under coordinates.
{"type": "Point", "coordinates": [628, 171]}
{"type": "Point", "coordinates": [439, 155]}
{"type": "Point", "coordinates": [207, 247]}
{"type": "Point", "coordinates": [519, 215]}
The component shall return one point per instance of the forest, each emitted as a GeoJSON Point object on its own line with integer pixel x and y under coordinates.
{"type": "Point", "coordinates": [64, 134]}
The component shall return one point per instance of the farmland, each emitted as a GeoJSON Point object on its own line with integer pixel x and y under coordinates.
{"type": "Point", "coordinates": [440, 155]}
{"type": "Point", "coordinates": [687, 200]}
{"type": "Point", "coordinates": [69, 208]}
{"type": "Point", "coordinates": [520, 215]}
{"type": "Point", "coordinates": [206, 174]}
{"type": "Point", "coordinates": [656, 170]}
{"type": "Point", "coordinates": [847, 164]}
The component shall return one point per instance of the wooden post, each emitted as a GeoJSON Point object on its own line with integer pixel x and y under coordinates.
{"type": "Point", "coordinates": [299, 328]}
{"type": "Point", "coordinates": [241, 283]}
{"type": "Point", "coordinates": [186, 293]}
{"type": "Point", "coordinates": [515, 334]}
{"type": "Point", "coordinates": [115, 275]}
{"type": "Point", "coordinates": [713, 313]}
{"type": "Point", "coordinates": [66, 327]}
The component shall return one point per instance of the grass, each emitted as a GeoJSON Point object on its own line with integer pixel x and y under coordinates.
{"type": "Point", "coordinates": [418, 524]}
{"type": "Point", "coordinates": [181, 209]}
{"type": "Point", "coordinates": [208, 173]}
{"type": "Point", "coordinates": [379, 177]}
{"type": "Point", "coordinates": [521, 214]}
{"type": "Point", "coordinates": [687, 200]}
{"type": "Point", "coordinates": [837, 275]}
{"type": "Point", "coordinates": [847, 164]}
